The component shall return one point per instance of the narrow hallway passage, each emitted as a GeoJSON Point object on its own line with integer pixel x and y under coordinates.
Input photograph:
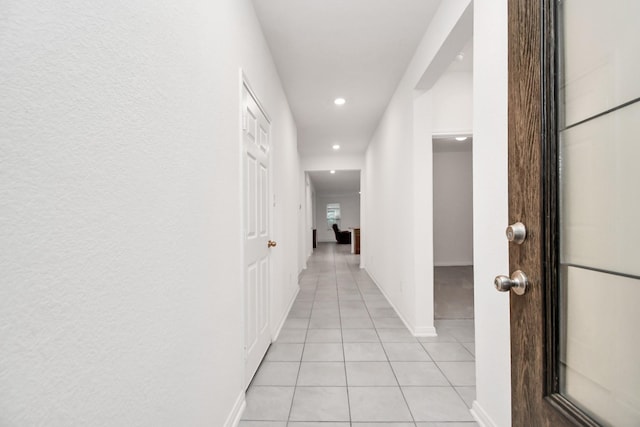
{"type": "Point", "coordinates": [345, 359]}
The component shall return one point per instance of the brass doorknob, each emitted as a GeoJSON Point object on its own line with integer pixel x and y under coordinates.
{"type": "Point", "coordinates": [271, 244]}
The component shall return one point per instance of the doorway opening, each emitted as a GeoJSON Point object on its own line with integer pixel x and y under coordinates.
{"type": "Point", "coordinates": [453, 228]}
{"type": "Point", "coordinates": [452, 197]}
{"type": "Point", "coordinates": [333, 202]}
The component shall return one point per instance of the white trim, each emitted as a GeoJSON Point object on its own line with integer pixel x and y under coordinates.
{"type": "Point", "coordinates": [422, 331]}
{"type": "Point", "coordinates": [245, 83]}
{"type": "Point", "coordinates": [241, 204]}
{"type": "Point", "coordinates": [450, 133]}
{"type": "Point", "coordinates": [286, 314]}
{"type": "Point", "coordinates": [425, 331]}
{"type": "Point", "coordinates": [236, 412]}
{"type": "Point", "coordinates": [481, 416]}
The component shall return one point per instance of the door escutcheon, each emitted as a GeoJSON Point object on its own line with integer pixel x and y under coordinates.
{"type": "Point", "coordinates": [518, 283]}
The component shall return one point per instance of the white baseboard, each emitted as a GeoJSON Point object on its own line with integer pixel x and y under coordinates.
{"type": "Point", "coordinates": [481, 416]}
{"type": "Point", "coordinates": [236, 412]}
{"type": "Point", "coordinates": [421, 331]}
{"type": "Point", "coordinates": [425, 331]}
{"type": "Point", "coordinates": [284, 317]}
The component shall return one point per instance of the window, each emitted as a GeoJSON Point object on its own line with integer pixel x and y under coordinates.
{"type": "Point", "coordinates": [333, 214]}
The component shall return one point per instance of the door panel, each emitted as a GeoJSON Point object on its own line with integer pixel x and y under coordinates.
{"type": "Point", "coordinates": [599, 177]}
{"type": "Point", "coordinates": [599, 367]}
{"type": "Point", "coordinates": [601, 65]}
{"type": "Point", "coordinates": [572, 181]}
{"type": "Point", "coordinates": [528, 312]}
{"type": "Point", "coordinates": [598, 152]}
{"type": "Point", "coordinates": [251, 167]}
{"type": "Point", "coordinates": [256, 233]}
{"type": "Point", "coordinates": [251, 293]}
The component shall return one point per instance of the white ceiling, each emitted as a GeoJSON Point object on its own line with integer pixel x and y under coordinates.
{"type": "Point", "coordinates": [342, 183]}
{"type": "Point", "coordinates": [465, 60]}
{"type": "Point", "coordinates": [355, 49]}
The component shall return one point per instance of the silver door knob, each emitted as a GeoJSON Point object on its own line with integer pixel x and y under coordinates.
{"type": "Point", "coordinates": [518, 283]}
{"type": "Point", "coordinates": [516, 233]}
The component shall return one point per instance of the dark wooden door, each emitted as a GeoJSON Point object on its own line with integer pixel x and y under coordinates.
{"type": "Point", "coordinates": [528, 75]}
{"type": "Point", "coordinates": [543, 129]}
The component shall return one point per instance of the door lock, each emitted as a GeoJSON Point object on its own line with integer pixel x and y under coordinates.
{"type": "Point", "coordinates": [516, 233]}
{"type": "Point", "coordinates": [518, 283]}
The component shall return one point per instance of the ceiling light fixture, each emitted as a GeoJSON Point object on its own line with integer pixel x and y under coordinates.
{"type": "Point", "coordinates": [461, 138]}
{"type": "Point", "coordinates": [339, 101]}
{"type": "Point", "coordinates": [460, 56]}
{"type": "Point", "coordinates": [332, 171]}
{"type": "Point", "coordinates": [336, 146]}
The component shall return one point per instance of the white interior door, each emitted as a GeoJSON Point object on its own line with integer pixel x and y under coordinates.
{"type": "Point", "coordinates": [255, 137]}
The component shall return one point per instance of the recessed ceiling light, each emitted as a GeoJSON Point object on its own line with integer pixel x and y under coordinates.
{"type": "Point", "coordinates": [336, 146]}
{"type": "Point", "coordinates": [461, 138]}
{"type": "Point", "coordinates": [339, 101]}
{"type": "Point", "coordinates": [332, 172]}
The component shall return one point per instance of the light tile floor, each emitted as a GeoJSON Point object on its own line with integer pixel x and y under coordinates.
{"type": "Point", "coordinates": [345, 359]}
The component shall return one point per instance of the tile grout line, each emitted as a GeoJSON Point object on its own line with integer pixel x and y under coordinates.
{"type": "Point", "coordinates": [341, 259]}
{"type": "Point", "coordinates": [304, 344]}
{"type": "Point", "coordinates": [383, 349]}
{"type": "Point", "coordinates": [435, 362]}
{"type": "Point", "coordinates": [344, 356]}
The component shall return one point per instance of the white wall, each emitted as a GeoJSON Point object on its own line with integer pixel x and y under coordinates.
{"type": "Point", "coordinates": [349, 214]}
{"type": "Point", "coordinates": [452, 205]}
{"type": "Point", "coordinates": [398, 183]}
{"type": "Point", "coordinates": [121, 296]}
{"type": "Point", "coordinates": [453, 104]}
{"type": "Point", "coordinates": [493, 366]}
{"type": "Point", "coordinates": [306, 221]}
{"type": "Point", "coordinates": [308, 213]}
{"type": "Point", "coordinates": [452, 180]}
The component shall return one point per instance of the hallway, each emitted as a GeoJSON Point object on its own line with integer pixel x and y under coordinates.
{"type": "Point", "coordinates": [344, 358]}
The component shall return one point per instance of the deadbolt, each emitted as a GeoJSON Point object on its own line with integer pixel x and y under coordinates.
{"type": "Point", "coordinates": [516, 233]}
{"type": "Point", "coordinates": [518, 283]}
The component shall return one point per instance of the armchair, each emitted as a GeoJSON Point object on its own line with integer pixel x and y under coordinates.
{"type": "Point", "coordinates": [342, 237]}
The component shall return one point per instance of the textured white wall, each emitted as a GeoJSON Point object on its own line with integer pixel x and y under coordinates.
{"type": "Point", "coordinates": [491, 257]}
{"type": "Point", "coordinates": [452, 207]}
{"type": "Point", "coordinates": [398, 182]}
{"type": "Point", "coordinates": [121, 299]}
